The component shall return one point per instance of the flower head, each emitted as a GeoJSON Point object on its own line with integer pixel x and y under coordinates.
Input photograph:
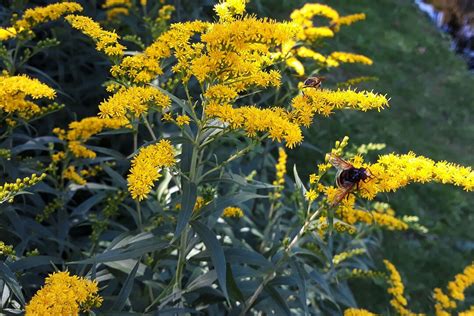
{"type": "Point", "coordinates": [64, 294]}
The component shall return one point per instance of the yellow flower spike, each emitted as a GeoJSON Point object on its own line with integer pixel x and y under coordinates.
{"type": "Point", "coordinates": [340, 257]}
{"type": "Point", "coordinates": [396, 290]}
{"type": "Point", "coordinates": [106, 42]}
{"type": "Point", "coordinates": [324, 102]}
{"type": "Point", "coordinates": [350, 58]}
{"type": "Point", "coordinates": [232, 211]}
{"type": "Point", "coordinates": [296, 65]}
{"type": "Point", "coordinates": [358, 312]}
{"type": "Point", "coordinates": [392, 172]}
{"type": "Point", "coordinates": [70, 294]}
{"type": "Point", "coordinates": [280, 168]}
{"type": "Point", "coordinates": [146, 165]}
{"type": "Point", "coordinates": [461, 282]}
{"type": "Point", "coordinates": [33, 17]}
{"type": "Point", "coordinates": [9, 190]}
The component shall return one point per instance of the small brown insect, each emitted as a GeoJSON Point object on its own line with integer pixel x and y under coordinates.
{"type": "Point", "coordinates": [313, 82]}
{"type": "Point", "coordinates": [347, 177]}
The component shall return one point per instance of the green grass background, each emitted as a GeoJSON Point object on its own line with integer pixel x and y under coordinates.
{"type": "Point", "coordinates": [431, 113]}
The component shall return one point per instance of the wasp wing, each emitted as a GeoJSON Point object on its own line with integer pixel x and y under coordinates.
{"type": "Point", "coordinates": [339, 163]}
{"type": "Point", "coordinates": [341, 194]}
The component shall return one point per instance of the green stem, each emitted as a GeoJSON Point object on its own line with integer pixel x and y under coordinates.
{"type": "Point", "coordinates": [271, 275]}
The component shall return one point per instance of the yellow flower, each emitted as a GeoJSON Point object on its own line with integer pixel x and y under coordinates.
{"type": "Point", "coordinates": [221, 92]}
{"type": "Point", "coordinates": [227, 9]}
{"type": "Point", "coordinates": [64, 294]}
{"type": "Point", "coordinates": [443, 302]}
{"type": "Point", "coordinates": [145, 165]}
{"type": "Point", "coordinates": [80, 131]}
{"type": "Point", "coordinates": [133, 102]}
{"type": "Point", "coordinates": [296, 65]}
{"type": "Point", "coordinates": [106, 42]}
{"type": "Point", "coordinates": [6, 250]}
{"type": "Point", "coordinates": [71, 174]}
{"type": "Point", "coordinates": [57, 157]}
{"type": "Point", "coordinates": [358, 312]}
{"type": "Point", "coordinates": [392, 172]}
{"type": "Point", "coordinates": [274, 121]}
{"type": "Point", "coordinates": [350, 58]}
{"type": "Point", "coordinates": [12, 85]}
{"type": "Point", "coordinates": [347, 20]}
{"type": "Point", "coordinates": [469, 312]}
{"type": "Point", "coordinates": [461, 282]}
{"type": "Point", "coordinates": [396, 290]}
{"type": "Point", "coordinates": [7, 33]}
{"type": "Point", "coordinates": [311, 195]}
{"type": "Point", "coordinates": [324, 101]}
{"type": "Point", "coordinates": [232, 211]}
{"type": "Point", "coordinates": [280, 168]}
{"type": "Point", "coordinates": [33, 17]}
{"type": "Point", "coordinates": [182, 120]}
{"type": "Point", "coordinates": [117, 7]}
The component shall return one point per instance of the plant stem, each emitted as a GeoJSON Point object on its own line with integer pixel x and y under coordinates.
{"type": "Point", "coordinates": [270, 276]}
{"type": "Point", "coordinates": [148, 126]}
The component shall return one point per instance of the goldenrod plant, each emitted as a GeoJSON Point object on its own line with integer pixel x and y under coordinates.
{"type": "Point", "coordinates": [177, 195]}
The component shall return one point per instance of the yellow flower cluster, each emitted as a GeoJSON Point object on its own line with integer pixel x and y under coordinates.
{"type": "Point", "coordinates": [70, 173]}
{"type": "Point", "coordinates": [304, 17]}
{"type": "Point", "coordinates": [396, 290]}
{"type": "Point", "coordinates": [117, 7]}
{"type": "Point", "coordinates": [279, 181]}
{"type": "Point", "coordinates": [339, 226]}
{"type": "Point", "coordinates": [455, 290]}
{"type": "Point", "coordinates": [131, 103]}
{"type": "Point", "coordinates": [358, 312]}
{"type": "Point", "coordinates": [309, 35]}
{"type": "Point", "coordinates": [182, 120]}
{"type": "Point", "coordinates": [33, 17]}
{"type": "Point", "coordinates": [274, 121]}
{"type": "Point", "coordinates": [106, 42]}
{"type": "Point", "coordinates": [226, 10]}
{"type": "Point", "coordinates": [340, 257]}
{"type": "Point", "coordinates": [145, 165]}
{"type": "Point", "coordinates": [9, 190]}
{"type": "Point", "coordinates": [461, 282]}
{"type": "Point", "coordinates": [323, 101]}
{"type": "Point", "coordinates": [7, 33]}
{"type": "Point", "coordinates": [146, 66]}
{"type": "Point", "coordinates": [64, 294]}
{"type": "Point", "coordinates": [468, 312]}
{"type": "Point", "coordinates": [80, 131]}
{"type": "Point", "coordinates": [347, 20]}
{"type": "Point", "coordinates": [392, 172]}
{"type": "Point", "coordinates": [22, 84]}
{"type": "Point", "coordinates": [342, 57]}
{"type": "Point", "coordinates": [6, 250]}
{"type": "Point", "coordinates": [350, 215]}
{"type": "Point", "coordinates": [233, 211]}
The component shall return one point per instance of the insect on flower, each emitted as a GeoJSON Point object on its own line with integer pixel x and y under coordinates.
{"type": "Point", "coordinates": [347, 177]}
{"type": "Point", "coordinates": [313, 82]}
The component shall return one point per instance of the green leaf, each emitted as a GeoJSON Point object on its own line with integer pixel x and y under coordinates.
{"type": "Point", "coordinates": [126, 289]}
{"type": "Point", "coordinates": [188, 200]}
{"type": "Point", "coordinates": [298, 182]}
{"type": "Point", "coordinates": [10, 279]}
{"type": "Point", "coordinates": [217, 254]}
{"type": "Point", "coordinates": [129, 251]}
{"type": "Point", "coordinates": [33, 262]}
{"type": "Point", "coordinates": [218, 205]}
{"type": "Point", "coordinates": [234, 291]}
